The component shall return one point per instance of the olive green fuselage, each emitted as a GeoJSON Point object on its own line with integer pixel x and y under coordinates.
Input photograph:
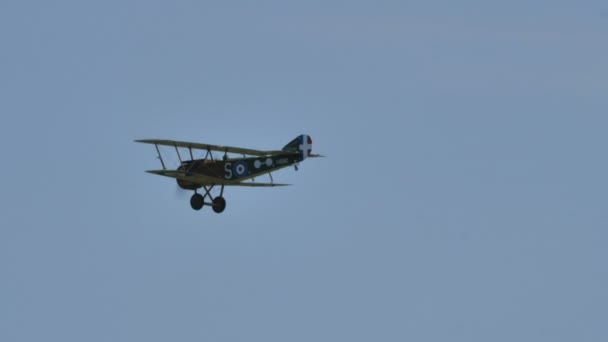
{"type": "Point", "coordinates": [235, 170]}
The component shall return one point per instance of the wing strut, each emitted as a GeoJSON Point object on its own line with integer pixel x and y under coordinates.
{"type": "Point", "coordinates": [209, 154]}
{"type": "Point", "coordinates": [178, 155]}
{"type": "Point", "coordinates": [160, 157]}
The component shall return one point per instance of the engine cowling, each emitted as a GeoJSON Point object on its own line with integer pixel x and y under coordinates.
{"type": "Point", "coordinates": [185, 184]}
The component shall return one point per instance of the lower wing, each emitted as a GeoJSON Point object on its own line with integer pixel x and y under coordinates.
{"type": "Point", "coordinates": [253, 184]}
{"type": "Point", "coordinates": [207, 180]}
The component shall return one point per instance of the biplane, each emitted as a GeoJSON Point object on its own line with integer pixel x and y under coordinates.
{"type": "Point", "coordinates": [209, 172]}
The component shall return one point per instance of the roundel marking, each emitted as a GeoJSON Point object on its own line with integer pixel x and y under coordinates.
{"type": "Point", "coordinates": [240, 169]}
{"type": "Point", "coordinates": [257, 164]}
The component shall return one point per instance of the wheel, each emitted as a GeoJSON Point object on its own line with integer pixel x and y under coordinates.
{"type": "Point", "coordinates": [197, 201]}
{"type": "Point", "coordinates": [219, 204]}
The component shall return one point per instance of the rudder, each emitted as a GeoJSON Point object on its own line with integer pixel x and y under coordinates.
{"type": "Point", "coordinates": [302, 145]}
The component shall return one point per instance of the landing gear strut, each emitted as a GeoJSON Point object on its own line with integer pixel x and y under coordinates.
{"type": "Point", "coordinates": [197, 201]}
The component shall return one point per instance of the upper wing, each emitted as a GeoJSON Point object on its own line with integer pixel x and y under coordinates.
{"type": "Point", "coordinates": [226, 149]}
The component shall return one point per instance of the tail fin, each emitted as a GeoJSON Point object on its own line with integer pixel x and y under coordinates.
{"type": "Point", "coordinates": [302, 145]}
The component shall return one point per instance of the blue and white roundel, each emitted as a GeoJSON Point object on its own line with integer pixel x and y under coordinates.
{"type": "Point", "coordinates": [240, 169]}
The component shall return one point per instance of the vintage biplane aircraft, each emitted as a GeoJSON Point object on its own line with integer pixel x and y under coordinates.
{"type": "Point", "coordinates": [209, 172]}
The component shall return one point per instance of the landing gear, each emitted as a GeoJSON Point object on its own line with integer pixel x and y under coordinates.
{"type": "Point", "coordinates": [197, 201]}
{"type": "Point", "coordinates": [219, 204]}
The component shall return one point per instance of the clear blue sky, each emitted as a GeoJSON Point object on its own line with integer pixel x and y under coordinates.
{"type": "Point", "coordinates": [464, 197]}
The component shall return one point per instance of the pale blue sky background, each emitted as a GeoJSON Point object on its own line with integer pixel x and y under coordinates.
{"type": "Point", "coordinates": [464, 197]}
